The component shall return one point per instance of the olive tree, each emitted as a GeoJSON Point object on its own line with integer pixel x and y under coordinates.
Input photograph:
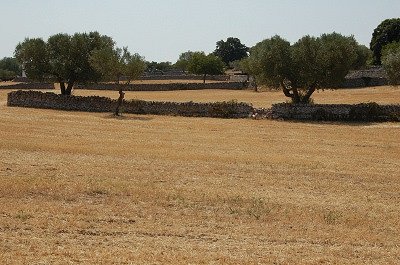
{"type": "Point", "coordinates": [113, 63]}
{"type": "Point", "coordinates": [63, 58]}
{"type": "Point", "coordinates": [391, 62]}
{"type": "Point", "coordinates": [202, 64]}
{"type": "Point", "coordinates": [311, 63]}
{"type": "Point", "coordinates": [183, 61]}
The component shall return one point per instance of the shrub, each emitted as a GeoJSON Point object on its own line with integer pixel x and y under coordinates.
{"type": "Point", "coordinates": [367, 112]}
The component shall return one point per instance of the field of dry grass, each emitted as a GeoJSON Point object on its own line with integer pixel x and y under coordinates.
{"type": "Point", "coordinates": [86, 188]}
{"type": "Point", "coordinates": [383, 95]}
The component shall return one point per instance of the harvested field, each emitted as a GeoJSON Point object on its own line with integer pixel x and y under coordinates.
{"type": "Point", "coordinates": [383, 95]}
{"type": "Point", "coordinates": [86, 188]}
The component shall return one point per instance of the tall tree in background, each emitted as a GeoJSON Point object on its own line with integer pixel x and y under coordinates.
{"type": "Point", "coordinates": [386, 32]}
{"type": "Point", "coordinates": [63, 58]}
{"type": "Point", "coordinates": [161, 66]}
{"type": "Point", "coordinates": [202, 64]}
{"type": "Point", "coordinates": [183, 61]}
{"type": "Point", "coordinates": [231, 50]}
{"type": "Point", "coordinates": [9, 68]}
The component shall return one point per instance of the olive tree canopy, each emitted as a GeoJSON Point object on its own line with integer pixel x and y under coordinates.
{"type": "Point", "coordinates": [309, 64]}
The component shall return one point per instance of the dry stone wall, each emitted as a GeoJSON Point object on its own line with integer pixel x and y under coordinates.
{"type": "Point", "coordinates": [163, 87]}
{"type": "Point", "coordinates": [364, 112]}
{"type": "Point", "coordinates": [335, 112]}
{"type": "Point", "coordinates": [185, 77]}
{"type": "Point", "coordinates": [364, 82]}
{"type": "Point", "coordinates": [36, 99]}
{"type": "Point", "coordinates": [29, 86]}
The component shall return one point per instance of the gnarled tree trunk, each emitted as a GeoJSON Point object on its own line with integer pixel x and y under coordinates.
{"type": "Point", "coordinates": [62, 87]}
{"type": "Point", "coordinates": [296, 96]}
{"type": "Point", "coordinates": [119, 102]}
{"type": "Point", "coordinates": [66, 90]}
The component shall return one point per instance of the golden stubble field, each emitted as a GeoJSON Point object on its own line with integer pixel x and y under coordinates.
{"type": "Point", "coordinates": [89, 188]}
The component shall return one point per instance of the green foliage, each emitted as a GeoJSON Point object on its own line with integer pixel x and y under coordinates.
{"type": "Point", "coordinates": [9, 68]}
{"type": "Point", "coordinates": [388, 31]}
{"type": "Point", "coordinates": [202, 64]}
{"type": "Point", "coordinates": [269, 61]}
{"type": "Point", "coordinates": [107, 61]}
{"type": "Point", "coordinates": [183, 60]}
{"type": "Point", "coordinates": [336, 56]}
{"type": "Point", "coordinates": [32, 54]}
{"type": "Point", "coordinates": [64, 58]}
{"type": "Point", "coordinates": [82, 57]}
{"type": "Point", "coordinates": [392, 47]}
{"type": "Point", "coordinates": [364, 57]}
{"type": "Point", "coordinates": [309, 64]}
{"type": "Point", "coordinates": [391, 62]}
{"type": "Point", "coordinates": [6, 75]}
{"type": "Point", "coordinates": [231, 50]}
{"type": "Point", "coordinates": [113, 63]}
{"type": "Point", "coordinates": [161, 66]}
{"type": "Point", "coordinates": [133, 65]}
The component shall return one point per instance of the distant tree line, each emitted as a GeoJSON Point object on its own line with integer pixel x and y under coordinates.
{"type": "Point", "coordinates": [299, 69]}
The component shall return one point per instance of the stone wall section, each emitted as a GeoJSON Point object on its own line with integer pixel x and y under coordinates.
{"type": "Point", "coordinates": [364, 112]}
{"type": "Point", "coordinates": [163, 87]}
{"type": "Point", "coordinates": [36, 99]}
{"type": "Point", "coordinates": [29, 86]}
{"type": "Point", "coordinates": [185, 77]}
{"type": "Point", "coordinates": [364, 82]}
{"type": "Point", "coordinates": [335, 112]}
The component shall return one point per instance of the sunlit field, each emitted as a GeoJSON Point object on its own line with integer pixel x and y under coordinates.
{"type": "Point", "coordinates": [90, 188]}
{"type": "Point", "coordinates": [382, 95]}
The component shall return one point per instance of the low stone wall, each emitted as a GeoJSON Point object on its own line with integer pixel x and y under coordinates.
{"type": "Point", "coordinates": [365, 112]}
{"type": "Point", "coordinates": [185, 77]}
{"type": "Point", "coordinates": [29, 86]}
{"type": "Point", "coordinates": [335, 112]}
{"type": "Point", "coordinates": [36, 99]}
{"type": "Point", "coordinates": [364, 82]}
{"type": "Point", "coordinates": [163, 87]}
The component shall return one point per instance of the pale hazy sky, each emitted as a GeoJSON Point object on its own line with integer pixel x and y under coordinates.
{"type": "Point", "coordinates": [160, 30]}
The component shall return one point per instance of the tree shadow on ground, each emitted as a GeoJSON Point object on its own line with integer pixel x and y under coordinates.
{"type": "Point", "coordinates": [127, 117]}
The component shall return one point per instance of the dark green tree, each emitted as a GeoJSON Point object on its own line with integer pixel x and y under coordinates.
{"type": "Point", "coordinates": [32, 55]}
{"type": "Point", "coordinates": [202, 64]}
{"type": "Point", "coordinates": [364, 57]}
{"type": "Point", "coordinates": [161, 66]}
{"type": "Point", "coordinates": [64, 58]}
{"type": "Point", "coordinates": [231, 50]}
{"type": "Point", "coordinates": [391, 62]}
{"type": "Point", "coordinates": [9, 68]}
{"type": "Point", "coordinates": [183, 61]}
{"type": "Point", "coordinates": [387, 31]}
{"type": "Point", "coordinates": [309, 64]}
